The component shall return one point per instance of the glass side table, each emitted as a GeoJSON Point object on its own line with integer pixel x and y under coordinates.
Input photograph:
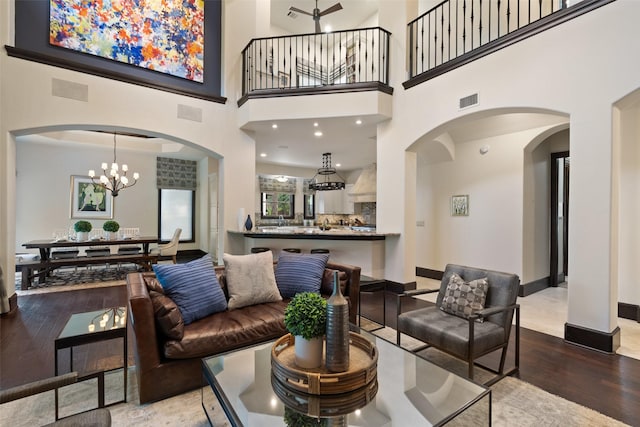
{"type": "Point", "coordinates": [372, 289]}
{"type": "Point", "coordinates": [92, 327]}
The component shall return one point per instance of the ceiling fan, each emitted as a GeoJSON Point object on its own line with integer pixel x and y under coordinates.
{"type": "Point", "coordinates": [316, 13]}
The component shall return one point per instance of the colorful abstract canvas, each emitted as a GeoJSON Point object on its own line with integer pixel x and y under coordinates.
{"type": "Point", "coordinates": [161, 35]}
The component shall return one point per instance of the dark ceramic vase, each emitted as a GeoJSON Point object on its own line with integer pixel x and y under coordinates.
{"type": "Point", "coordinates": [248, 224]}
{"type": "Point", "coordinates": [337, 345]}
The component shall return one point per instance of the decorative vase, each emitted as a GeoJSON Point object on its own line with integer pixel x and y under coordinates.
{"type": "Point", "coordinates": [111, 235]}
{"type": "Point", "coordinates": [82, 236]}
{"type": "Point", "coordinates": [337, 357]}
{"type": "Point", "coordinates": [248, 224]}
{"type": "Point", "coordinates": [308, 352]}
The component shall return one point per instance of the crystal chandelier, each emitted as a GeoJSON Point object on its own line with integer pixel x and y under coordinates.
{"type": "Point", "coordinates": [113, 181]}
{"type": "Point", "coordinates": [327, 172]}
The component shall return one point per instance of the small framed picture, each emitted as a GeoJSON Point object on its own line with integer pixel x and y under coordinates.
{"type": "Point", "coordinates": [89, 200]}
{"type": "Point", "coordinates": [460, 205]}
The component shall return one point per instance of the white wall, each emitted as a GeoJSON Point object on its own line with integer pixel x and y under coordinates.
{"type": "Point", "coordinates": [522, 77]}
{"type": "Point", "coordinates": [627, 247]}
{"type": "Point", "coordinates": [28, 106]}
{"type": "Point", "coordinates": [43, 188]}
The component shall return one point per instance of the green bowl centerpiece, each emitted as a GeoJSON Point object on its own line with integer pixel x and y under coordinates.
{"type": "Point", "coordinates": [82, 228]}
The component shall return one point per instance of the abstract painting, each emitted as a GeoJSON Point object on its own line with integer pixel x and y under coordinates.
{"type": "Point", "coordinates": [162, 35]}
{"type": "Point", "coordinates": [89, 200]}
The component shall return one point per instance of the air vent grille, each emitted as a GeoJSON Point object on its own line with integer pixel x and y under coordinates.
{"type": "Point", "coordinates": [469, 101]}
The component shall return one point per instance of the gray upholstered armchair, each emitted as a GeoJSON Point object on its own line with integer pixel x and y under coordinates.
{"type": "Point", "coordinates": [96, 417]}
{"type": "Point", "coordinates": [467, 335]}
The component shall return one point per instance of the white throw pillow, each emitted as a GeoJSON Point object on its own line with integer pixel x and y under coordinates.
{"type": "Point", "coordinates": [250, 279]}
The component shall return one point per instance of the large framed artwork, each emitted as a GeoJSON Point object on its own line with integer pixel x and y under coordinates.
{"type": "Point", "coordinates": [165, 36]}
{"type": "Point", "coordinates": [89, 200]}
{"type": "Point", "coordinates": [170, 45]}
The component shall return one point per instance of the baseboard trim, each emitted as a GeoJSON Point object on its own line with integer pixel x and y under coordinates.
{"type": "Point", "coordinates": [429, 274]}
{"type": "Point", "coordinates": [590, 338]}
{"type": "Point", "coordinates": [527, 289]}
{"type": "Point", "coordinates": [629, 311]}
{"type": "Point", "coordinates": [13, 305]}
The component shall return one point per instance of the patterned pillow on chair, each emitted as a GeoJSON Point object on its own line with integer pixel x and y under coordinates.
{"type": "Point", "coordinates": [462, 298]}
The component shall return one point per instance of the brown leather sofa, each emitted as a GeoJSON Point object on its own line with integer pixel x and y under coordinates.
{"type": "Point", "coordinates": [166, 367]}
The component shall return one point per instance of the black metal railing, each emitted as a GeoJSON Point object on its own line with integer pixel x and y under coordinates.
{"type": "Point", "coordinates": [316, 60]}
{"type": "Point", "coordinates": [456, 27]}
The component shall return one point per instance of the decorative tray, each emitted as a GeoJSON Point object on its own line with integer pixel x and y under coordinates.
{"type": "Point", "coordinates": [327, 405]}
{"type": "Point", "coordinates": [363, 363]}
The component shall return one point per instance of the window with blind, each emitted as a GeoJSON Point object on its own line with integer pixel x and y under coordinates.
{"type": "Point", "coordinates": [177, 182]}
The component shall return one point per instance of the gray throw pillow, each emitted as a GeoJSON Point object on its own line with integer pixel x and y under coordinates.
{"type": "Point", "coordinates": [250, 279]}
{"type": "Point", "coordinates": [462, 298]}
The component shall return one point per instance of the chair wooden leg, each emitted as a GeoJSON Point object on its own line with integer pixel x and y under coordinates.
{"type": "Point", "coordinates": [175, 259]}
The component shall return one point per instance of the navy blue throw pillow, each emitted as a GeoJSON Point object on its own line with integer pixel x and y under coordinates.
{"type": "Point", "coordinates": [300, 273]}
{"type": "Point", "coordinates": [193, 287]}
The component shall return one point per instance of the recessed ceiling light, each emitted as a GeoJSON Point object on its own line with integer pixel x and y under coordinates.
{"type": "Point", "coordinates": [274, 126]}
{"type": "Point", "coordinates": [358, 122]}
{"type": "Point", "coordinates": [338, 165]}
{"type": "Point", "coordinates": [315, 124]}
{"type": "Point", "coordinates": [327, 28]}
{"type": "Point", "coordinates": [317, 133]}
{"type": "Point", "coordinates": [263, 154]}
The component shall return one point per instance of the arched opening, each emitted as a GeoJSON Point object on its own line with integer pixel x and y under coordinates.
{"type": "Point", "coordinates": [47, 157]}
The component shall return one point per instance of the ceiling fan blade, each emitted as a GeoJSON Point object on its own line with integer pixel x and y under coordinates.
{"type": "Point", "coordinates": [304, 12]}
{"type": "Point", "coordinates": [336, 7]}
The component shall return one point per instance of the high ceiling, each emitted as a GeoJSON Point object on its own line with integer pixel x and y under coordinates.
{"type": "Point", "coordinates": [352, 14]}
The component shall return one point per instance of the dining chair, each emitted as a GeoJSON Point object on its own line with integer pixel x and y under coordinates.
{"type": "Point", "coordinates": [169, 249]}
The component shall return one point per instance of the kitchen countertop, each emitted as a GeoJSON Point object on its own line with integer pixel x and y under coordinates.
{"type": "Point", "coordinates": [313, 233]}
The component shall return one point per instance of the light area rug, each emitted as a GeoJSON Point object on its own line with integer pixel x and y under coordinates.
{"type": "Point", "coordinates": [514, 403]}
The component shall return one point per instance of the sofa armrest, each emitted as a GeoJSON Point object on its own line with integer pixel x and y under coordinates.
{"type": "Point", "coordinates": [143, 322]}
{"type": "Point", "coordinates": [352, 290]}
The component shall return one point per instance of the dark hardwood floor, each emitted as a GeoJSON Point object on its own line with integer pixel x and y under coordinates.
{"type": "Point", "coordinates": [609, 384]}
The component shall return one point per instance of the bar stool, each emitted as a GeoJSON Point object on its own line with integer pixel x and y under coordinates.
{"type": "Point", "coordinates": [320, 251]}
{"type": "Point", "coordinates": [292, 250]}
{"type": "Point", "coordinates": [258, 250]}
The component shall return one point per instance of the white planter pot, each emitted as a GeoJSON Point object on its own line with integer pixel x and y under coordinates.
{"type": "Point", "coordinates": [82, 236]}
{"type": "Point", "coordinates": [308, 352]}
{"type": "Point", "coordinates": [111, 235]}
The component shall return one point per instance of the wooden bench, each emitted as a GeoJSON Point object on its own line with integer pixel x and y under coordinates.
{"type": "Point", "coordinates": [42, 269]}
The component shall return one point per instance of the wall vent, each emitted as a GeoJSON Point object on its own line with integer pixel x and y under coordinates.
{"type": "Point", "coordinates": [469, 101]}
{"type": "Point", "coordinates": [189, 113]}
{"type": "Point", "coordinates": [70, 90]}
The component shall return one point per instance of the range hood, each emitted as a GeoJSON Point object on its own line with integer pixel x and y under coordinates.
{"type": "Point", "coordinates": [364, 190]}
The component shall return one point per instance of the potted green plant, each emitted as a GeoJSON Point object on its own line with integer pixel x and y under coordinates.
{"type": "Point", "coordinates": [111, 228]}
{"type": "Point", "coordinates": [305, 317]}
{"type": "Point", "coordinates": [293, 418]}
{"type": "Point", "coordinates": [82, 228]}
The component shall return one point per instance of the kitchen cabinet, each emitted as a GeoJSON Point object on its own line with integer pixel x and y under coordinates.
{"type": "Point", "coordinates": [330, 202]}
{"type": "Point", "coordinates": [335, 201]}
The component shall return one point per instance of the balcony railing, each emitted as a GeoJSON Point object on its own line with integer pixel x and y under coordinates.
{"type": "Point", "coordinates": [458, 31]}
{"type": "Point", "coordinates": [308, 63]}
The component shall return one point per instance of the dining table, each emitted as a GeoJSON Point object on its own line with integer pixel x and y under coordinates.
{"type": "Point", "coordinates": [46, 245]}
{"type": "Point", "coordinates": [45, 265]}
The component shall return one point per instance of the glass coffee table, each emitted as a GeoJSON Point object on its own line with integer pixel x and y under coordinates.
{"type": "Point", "coordinates": [410, 391]}
{"type": "Point", "coordinates": [92, 327]}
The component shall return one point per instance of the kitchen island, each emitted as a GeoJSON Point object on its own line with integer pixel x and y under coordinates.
{"type": "Point", "coordinates": [362, 248]}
